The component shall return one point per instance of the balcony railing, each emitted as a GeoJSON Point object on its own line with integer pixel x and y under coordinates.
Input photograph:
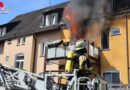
{"type": "Point", "coordinates": [61, 52]}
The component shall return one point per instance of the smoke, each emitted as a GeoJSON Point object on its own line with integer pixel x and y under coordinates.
{"type": "Point", "coordinates": [87, 18]}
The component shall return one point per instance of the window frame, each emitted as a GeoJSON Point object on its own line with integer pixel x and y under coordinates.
{"type": "Point", "coordinates": [42, 50]}
{"type": "Point", "coordinates": [56, 21]}
{"type": "Point", "coordinates": [19, 61]}
{"type": "Point", "coordinates": [23, 40]}
{"type": "Point", "coordinates": [7, 58]}
{"type": "Point", "coordinates": [3, 31]}
{"type": "Point", "coordinates": [50, 19]}
{"type": "Point", "coordinates": [9, 41]}
{"type": "Point", "coordinates": [111, 71]}
{"type": "Point", "coordinates": [101, 48]}
{"type": "Point", "coordinates": [115, 34]}
{"type": "Point", "coordinates": [18, 41]}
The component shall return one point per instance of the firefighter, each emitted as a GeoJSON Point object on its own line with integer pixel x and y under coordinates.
{"type": "Point", "coordinates": [77, 59]}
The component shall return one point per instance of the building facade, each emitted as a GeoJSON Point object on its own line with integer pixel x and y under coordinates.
{"type": "Point", "coordinates": [22, 42]}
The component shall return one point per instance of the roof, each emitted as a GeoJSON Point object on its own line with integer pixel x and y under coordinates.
{"type": "Point", "coordinates": [29, 23]}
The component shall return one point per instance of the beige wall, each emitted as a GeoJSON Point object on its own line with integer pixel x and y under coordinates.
{"type": "Point", "coordinates": [51, 36]}
{"type": "Point", "coordinates": [12, 49]}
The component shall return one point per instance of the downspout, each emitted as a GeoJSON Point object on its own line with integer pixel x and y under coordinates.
{"type": "Point", "coordinates": [34, 56]}
{"type": "Point", "coordinates": [127, 47]}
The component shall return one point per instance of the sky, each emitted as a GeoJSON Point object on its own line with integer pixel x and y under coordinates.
{"type": "Point", "coordinates": [17, 7]}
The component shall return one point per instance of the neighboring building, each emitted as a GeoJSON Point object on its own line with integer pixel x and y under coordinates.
{"type": "Point", "coordinates": [22, 42]}
{"type": "Point", "coordinates": [115, 56]}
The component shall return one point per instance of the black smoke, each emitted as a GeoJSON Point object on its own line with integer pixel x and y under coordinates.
{"type": "Point", "coordinates": [90, 14]}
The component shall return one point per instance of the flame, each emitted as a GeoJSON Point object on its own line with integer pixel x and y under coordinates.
{"type": "Point", "coordinates": [74, 27]}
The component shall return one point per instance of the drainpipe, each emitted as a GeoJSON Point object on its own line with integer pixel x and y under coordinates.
{"type": "Point", "coordinates": [34, 56]}
{"type": "Point", "coordinates": [127, 47]}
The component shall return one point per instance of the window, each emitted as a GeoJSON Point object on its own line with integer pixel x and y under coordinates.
{"type": "Point", "coordinates": [112, 75]}
{"type": "Point", "coordinates": [2, 31]}
{"type": "Point", "coordinates": [121, 5]}
{"type": "Point", "coordinates": [23, 40]}
{"type": "Point", "coordinates": [9, 41]}
{"type": "Point", "coordinates": [42, 48]}
{"type": "Point", "coordinates": [50, 19]}
{"type": "Point", "coordinates": [7, 58]}
{"type": "Point", "coordinates": [19, 62]}
{"type": "Point", "coordinates": [53, 19]}
{"type": "Point", "coordinates": [115, 31]}
{"type": "Point", "coordinates": [105, 39]}
{"type": "Point", "coordinates": [18, 41]}
{"type": "Point", "coordinates": [0, 50]}
{"type": "Point", "coordinates": [47, 20]}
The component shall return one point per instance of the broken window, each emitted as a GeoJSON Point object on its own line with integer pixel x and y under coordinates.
{"type": "Point", "coordinates": [105, 39]}
{"type": "Point", "coordinates": [121, 5]}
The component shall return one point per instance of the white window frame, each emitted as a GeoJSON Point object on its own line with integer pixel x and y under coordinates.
{"type": "Point", "coordinates": [112, 71]}
{"type": "Point", "coordinates": [47, 20]}
{"type": "Point", "coordinates": [101, 48]}
{"type": "Point", "coordinates": [9, 41]}
{"type": "Point", "coordinates": [7, 58]}
{"type": "Point", "coordinates": [23, 40]}
{"type": "Point", "coordinates": [20, 61]}
{"type": "Point", "coordinates": [18, 41]}
{"type": "Point", "coordinates": [49, 15]}
{"type": "Point", "coordinates": [56, 18]}
{"type": "Point", "coordinates": [115, 30]}
{"type": "Point", "coordinates": [42, 48]}
{"type": "Point", "coordinates": [3, 31]}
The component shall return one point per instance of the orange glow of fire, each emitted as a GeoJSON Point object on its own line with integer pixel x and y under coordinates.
{"type": "Point", "coordinates": [74, 25]}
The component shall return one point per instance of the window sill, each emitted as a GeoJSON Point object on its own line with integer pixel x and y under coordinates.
{"type": "Point", "coordinates": [104, 49]}
{"type": "Point", "coordinates": [44, 26]}
{"type": "Point", "coordinates": [23, 43]}
{"type": "Point", "coordinates": [42, 56]}
{"type": "Point", "coordinates": [18, 44]}
{"type": "Point", "coordinates": [115, 34]}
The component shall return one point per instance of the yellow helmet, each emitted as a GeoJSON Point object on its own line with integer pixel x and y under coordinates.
{"type": "Point", "coordinates": [80, 44]}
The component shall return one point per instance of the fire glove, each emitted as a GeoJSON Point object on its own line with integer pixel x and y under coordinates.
{"type": "Point", "coordinates": [91, 69]}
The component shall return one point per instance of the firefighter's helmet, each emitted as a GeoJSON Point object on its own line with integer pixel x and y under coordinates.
{"type": "Point", "coordinates": [80, 44]}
